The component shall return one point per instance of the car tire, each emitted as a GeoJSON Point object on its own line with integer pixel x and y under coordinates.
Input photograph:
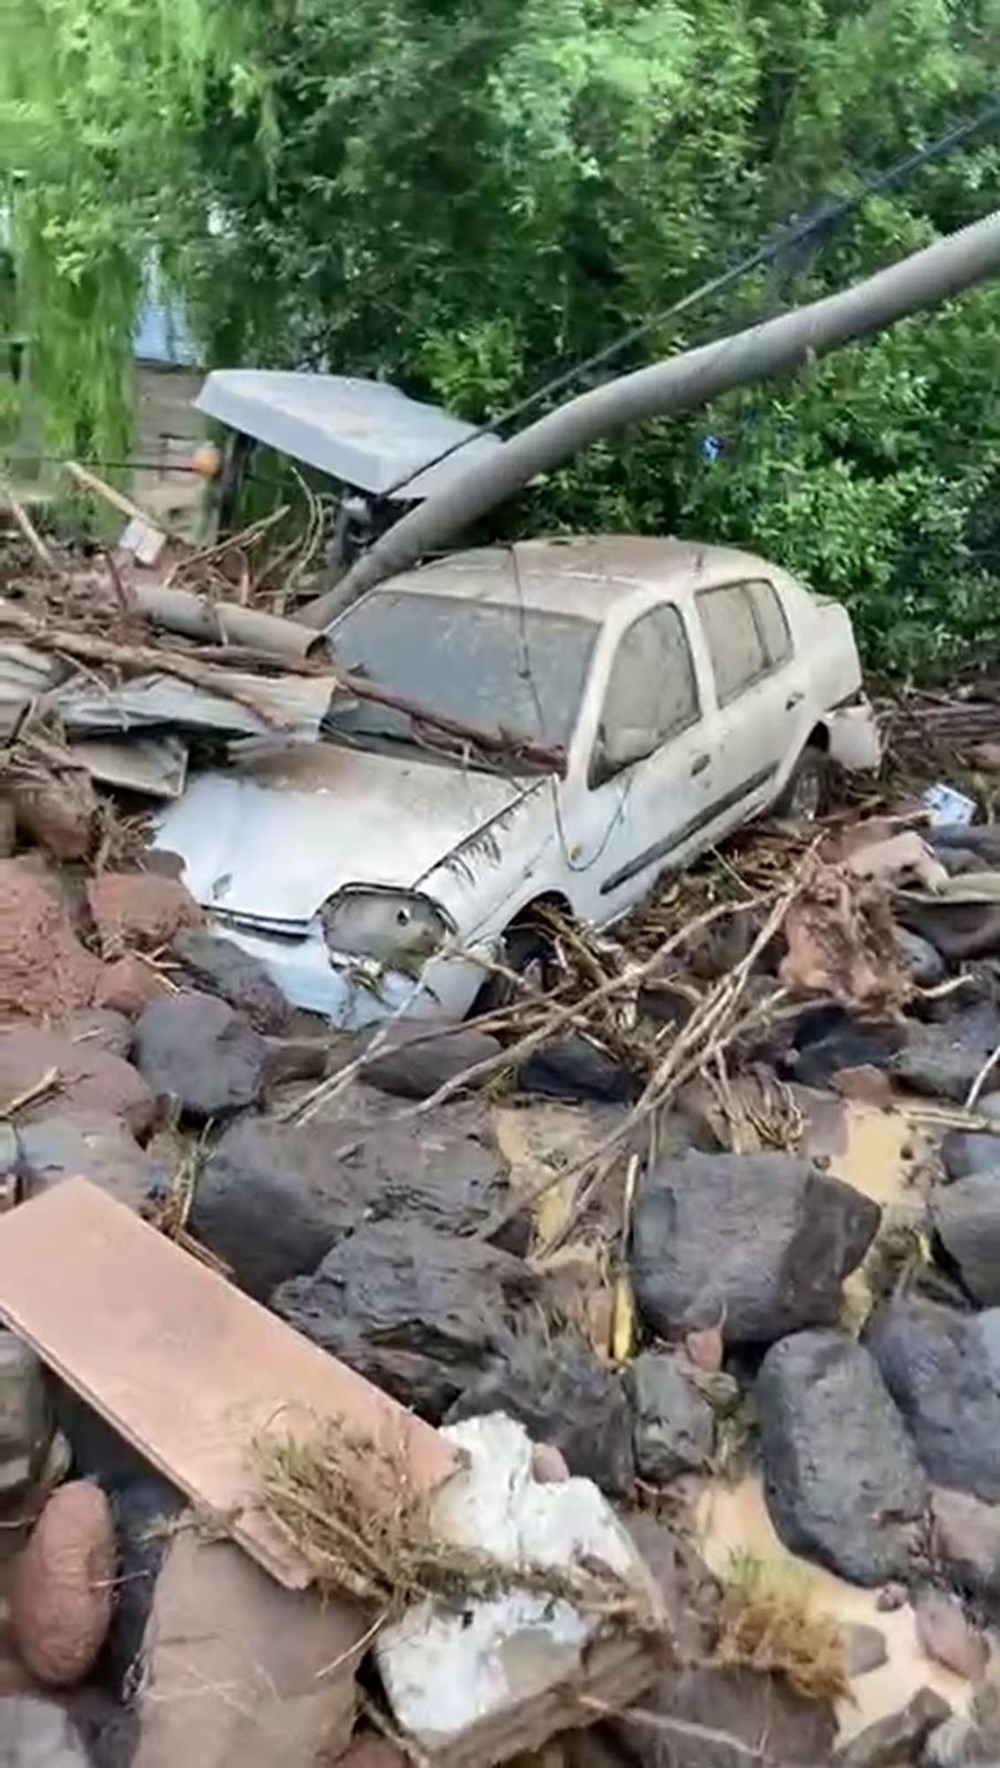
{"type": "Point", "coordinates": [805, 796]}
{"type": "Point", "coordinates": [525, 951]}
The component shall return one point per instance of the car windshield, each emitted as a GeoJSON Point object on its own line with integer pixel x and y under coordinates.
{"type": "Point", "coordinates": [500, 668]}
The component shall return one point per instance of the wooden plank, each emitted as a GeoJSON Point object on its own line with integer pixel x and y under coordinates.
{"type": "Point", "coordinates": [186, 1368]}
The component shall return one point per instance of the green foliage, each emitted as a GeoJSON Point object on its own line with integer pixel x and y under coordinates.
{"type": "Point", "coordinates": [469, 195]}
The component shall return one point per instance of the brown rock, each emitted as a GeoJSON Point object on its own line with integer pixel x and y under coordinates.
{"type": "Point", "coordinates": [8, 827]}
{"type": "Point", "coordinates": [713, 1717]}
{"type": "Point", "coordinates": [967, 1540]}
{"type": "Point", "coordinates": [548, 1464]}
{"type": "Point", "coordinates": [89, 1079]}
{"type": "Point", "coordinates": [128, 985]}
{"type": "Point", "coordinates": [369, 1750]}
{"type": "Point", "coordinates": [865, 1649]}
{"type": "Point", "coordinates": [140, 909]}
{"type": "Point", "coordinates": [867, 1085]}
{"type": "Point", "coordinates": [44, 970]}
{"type": "Point", "coordinates": [892, 1597]}
{"type": "Point", "coordinates": [986, 756]}
{"type": "Point", "coordinates": [64, 1586]}
{"type": "Point", "coordinates": [705, 1349]}
{"type": "Point", "coordinates": [947, 1637]}
{"type": "Point", "coordinates": [59, 815]}
{"type": "Point", "coordinates": [238, 1672]}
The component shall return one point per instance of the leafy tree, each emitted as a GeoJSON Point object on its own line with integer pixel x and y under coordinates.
{"type": "Point", "coordinates": [468, 195]}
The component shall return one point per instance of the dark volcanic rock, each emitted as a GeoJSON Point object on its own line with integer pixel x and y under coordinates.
{"type": "Point", "coordinates": [842, 1482]}
{"type": "Point", "coordinates": [761, 1242]}
{"type": "Point", "coordinates": [970, 1154]}
{"type": "Point", "coordinates": [565, 1396]}
{"type": "Point", "coordinates": [144, 1510]}
{"type": "Point", "coordinates": [943, 1371]}
{"type": "Point", "coordinates": [827, 1041]}
{"type": "Point", "coordinates": [573, 1068]}
{"type": "Point", "coordinates": [943, 1060]}
{"type": "Point", "coordinates": [966, 1218]}
{"type": "Point", "coordinates": [674, 1425]}
{"type": "Point", "coordinates": [272, 1200]}
{"type": "Point", "coordinates": [196, 1050]}
{"type": "Point", "coordinates": [419, 1057]}
{"type": "Point", "coordinates": [95, 1145]}
{"type": "Point", "coordinates": [222, 968]}
{"type": "Point", "coordinates": [961, 924]}
{"type": "Point", "coordinates": [418, 1312]}
{"type": "Point", "coordinates": [922, 961]}
{"type": "Point", "coordinates": [735, 1718]}
{"type": "Point", "coordinates": [899, 1738]}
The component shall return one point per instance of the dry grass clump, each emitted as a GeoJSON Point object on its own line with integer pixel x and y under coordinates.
{"type": "Point", "coordinates": [768, 1624]}
{"type": "Point", "coordinates": [350, 1508]}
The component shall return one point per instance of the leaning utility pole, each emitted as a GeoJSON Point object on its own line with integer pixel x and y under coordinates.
{"type": "Point", "coordinates": [775, 347]}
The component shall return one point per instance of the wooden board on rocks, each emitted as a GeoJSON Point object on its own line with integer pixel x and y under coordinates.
{"type": "Point", "coordinates": [187, 1369]}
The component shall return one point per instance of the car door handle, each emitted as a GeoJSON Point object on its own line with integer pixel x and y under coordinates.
{"type": "Point", "coordinates": [793, 701]}
{"type": "Point", "coordinates": [700, 763]}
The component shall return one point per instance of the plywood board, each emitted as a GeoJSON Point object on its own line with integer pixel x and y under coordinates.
{"type": "Point", "coordinates": [186, 1368]}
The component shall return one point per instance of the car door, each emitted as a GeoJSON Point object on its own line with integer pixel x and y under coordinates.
{"type": "Point", "coordinates": [758, 693]}
{"type": "Point", "coordinates": [649, 785]}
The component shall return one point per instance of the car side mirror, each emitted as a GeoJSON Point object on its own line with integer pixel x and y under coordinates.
{"type": "Point", "coordinates": [621, 748]}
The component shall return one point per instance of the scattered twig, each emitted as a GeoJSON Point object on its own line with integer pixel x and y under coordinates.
{"type": "Point", "coordinates": [39, 1089]}
{"type": "Point", "coordinates": [981, 1078]}
{"type": "Point", "coordinates": [27, 527]}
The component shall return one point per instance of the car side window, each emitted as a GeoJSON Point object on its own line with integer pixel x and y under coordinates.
{"type": "Point", "coordinates": [652, 691]}
{"type": "Point", "coordinates": [747, 634]}
{"type": "Point", "coordinates": [773, 623]}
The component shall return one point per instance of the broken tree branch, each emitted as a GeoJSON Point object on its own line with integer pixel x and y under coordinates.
{"type": "Point", "coordinates": [27, 527]}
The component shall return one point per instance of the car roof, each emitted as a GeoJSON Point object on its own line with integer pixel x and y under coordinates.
{"type": "Point", "coordinates": [585, 575]}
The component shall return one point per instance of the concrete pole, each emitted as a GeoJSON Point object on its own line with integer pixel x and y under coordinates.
{"type": "Point", "coordinates": [778, 346]}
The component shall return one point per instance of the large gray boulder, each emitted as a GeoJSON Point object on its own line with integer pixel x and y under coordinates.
{"type": "Point", "coordinates": [970, 1154]}
{"type": "Point", "coordinates": [761, 1243]}
{"type": "Point", "coordinates": [272, 1200]}
{"type": "Point", "coordinates": [842, 1482]}
{"type": "Point", "coordinates": [420, 1313]}
{"type": "Point", "coordinates": [95, 1144]}
{"type": "Point", "coordinates": [196, 1052]}
{"type": "Point", "coordinates": [942, 1369]}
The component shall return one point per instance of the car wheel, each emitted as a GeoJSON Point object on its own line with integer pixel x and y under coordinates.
{"type": "Point", "coordinates": [804, 797]}
{"type": "Point", "coordinates": [527, 953]}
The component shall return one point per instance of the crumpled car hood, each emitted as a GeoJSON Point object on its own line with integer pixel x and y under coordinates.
{"type": "Point", "coordinates": [272, 838]}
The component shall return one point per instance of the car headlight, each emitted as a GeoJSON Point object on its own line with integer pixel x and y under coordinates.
{"type": "Point", "coordinates": [396, 927]}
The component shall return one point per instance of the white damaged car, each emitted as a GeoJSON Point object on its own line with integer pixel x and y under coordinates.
{"type": "Point", "coordinates": [685, 689]}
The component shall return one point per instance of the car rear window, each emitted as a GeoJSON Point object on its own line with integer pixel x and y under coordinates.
{"type": "Point", "coordinates": [734, 641]}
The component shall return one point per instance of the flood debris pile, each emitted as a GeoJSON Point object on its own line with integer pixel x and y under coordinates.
{"type": "Point", "coordinates": [609, 1382]}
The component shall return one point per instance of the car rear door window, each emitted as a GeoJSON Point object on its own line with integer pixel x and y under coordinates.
{"type": "Point", "coordinates": [733, 637]}
{"type": "Point", "coordinates": [773, 623]}
{"type": "Point", "coordinates": [652, 684]}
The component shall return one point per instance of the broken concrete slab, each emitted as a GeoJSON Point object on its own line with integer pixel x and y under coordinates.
{"type": "Point", "coordinates": [564, 1396]}
{"type": "Point", "coordinates": [841, 1479]}
{"type": "Point", "coordinates": [196, 1051]}
{"type": "Point", "coordinates": [759, 1242]}
{"type": "Point", "coordinates": [236, 1672]}
{"type": "Point", "coordinates": [496, 1678]}
{"type": "Point", "coordinates": [125, 1326]}
{"type": "Point", "coordinates": [418, 1312]}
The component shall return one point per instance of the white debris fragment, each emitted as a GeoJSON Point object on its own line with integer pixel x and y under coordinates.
{"type": "Point", "coordinates": [490, 1678]}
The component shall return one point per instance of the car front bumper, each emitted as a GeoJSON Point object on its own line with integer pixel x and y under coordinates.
{"type": "Point", "coordinates": [352, 993]}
